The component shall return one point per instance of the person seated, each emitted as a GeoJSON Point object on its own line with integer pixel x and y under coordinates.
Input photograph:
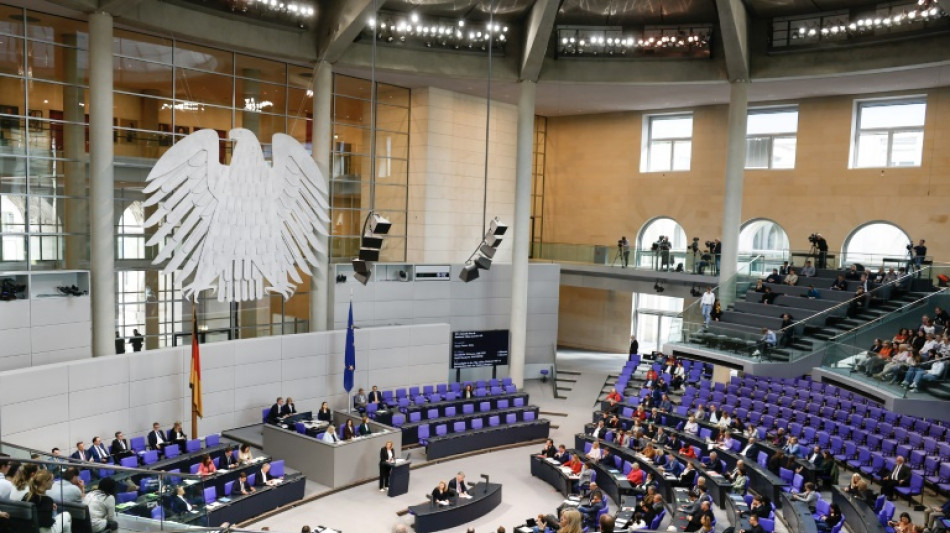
{"type": "Point", "coordinates": [376, 397]}
{"type": "Point", "coordinates": [265, 479]}
{"type": "Point", "coordinates": [715, 314]}
{"type": "Point", "coordinates": [589, 512]}
{"type": "Point", "coordinates": [288, 408]}
{"type": "Point", "coordinates": [98, 453]}
{"type": "Point", "coordinates": [792, 448]}
{"type": "Point", "coordinates": [324, 414]}
{"type": "Point", "coordinates": [768, 297]}
{"type": "Point", "coordinates": [808, 271]}
{"type": "Point", "coordinates": [157, 438]}
{"type": "Point", "coordinates": [176, 435]}
{"type": "Point", "coordinates": [759, 286]}
{"type": "Point", "coordinates": [767, 341]}
{"type": "Point", "coordinates": [671, 465]}
{"type": "Point", "coordinates": [727, 441]}
{"type": "Point", "coordinates": [839, 284]}
{"type": "Point", "coordinates": [329, 436]}
{"type": "Point", "coordinates": [242, 487]}
{"type": "Point", "coordinates": [349, 430]}
{"type": "Point", "coordinates": [696, 517]}
{"type": "Point", "coordinates": [691, 427]}
{"type": "Point", "coordinates": [614, 396]}
{"type": "Point", "coordinates": [360, 400]}
{"type": "Point", "coordinates": [69, 488]}
{"type": "Point", "coordinates": [809, 495]}
{"type": "Point", "coordinates": [119, 449]}
{"type": "Point", "coordinates": [774, 277]}
{"type": "Point", "coordinates": [687, 451]}
{"type": "Point", "coordinates": [229, 460]}
{"type": "Point", "coordinates": [899, 476]}
{"type": "Point", "coordinates": [180, 504]}
{"type": "Point", "coordinates": [740, 480]}
{"type": "Point", "coordinates": [562, 456]}
{"type": "Point", "coordinates": [688, 477]}
{"type": "Point", "coordinates": [441, 495]}
{"type": "Point", "coordinates": [713, 463]}
{"type": "Point", "coordinates": [792, 278]}
{"type": "Point", "coordinates": [635, 475]}
{"type": "Point", "coordinates": [651, 505]}
{"type": "Point", "coordinates": [244, 455]}
{"type": "Point", "coordinates": [606, 458]}
{"type": "Point", "coordinates": [600, 430]}
{"type": "Point", "coordinates": [903, 524]}
{"type": "Point", "coordinates": [206, 467]}
{"type": "Point", "coordinates": [274, 415]}
{"type": "Point", "coordinates": [812, 293]}
{"type": "Point", "coordinates": [364, 428]}
{"type": "Point", "coordinates": [459, 486]}
{"type": "Point", "coordinates": [858, 303]}
{"type": "Point", "coordinates": [853, 273]}
{"type": "Point", "coordinates": [468, 392]}
{"type": "Point", "coordinates": [777, 461]}
{"type": "Point", "coordinates": [922, 374]}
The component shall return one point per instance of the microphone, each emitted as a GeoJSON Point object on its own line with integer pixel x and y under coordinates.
{"type": "Point", "coordinates": [485, 485]}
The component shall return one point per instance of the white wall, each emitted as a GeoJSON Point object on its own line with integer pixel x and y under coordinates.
{"type": "Point", "coordinates": [447, 173]}
{"type": "Point", "coordinates": [58, 404]}
{"type": "Point", "coordinates": [484, 303]}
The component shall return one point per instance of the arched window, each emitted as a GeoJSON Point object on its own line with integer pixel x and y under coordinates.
{"type": "Point", "coordinates": [131, 234]}
{"type": "Point", "coordinates": [762, 236]}
{"type": "Point", "coordinates": [12, 221]}
{"type": "Point", "coordinates": [870, 243]}
{"type": "Point", "coordinates": [662, 226]}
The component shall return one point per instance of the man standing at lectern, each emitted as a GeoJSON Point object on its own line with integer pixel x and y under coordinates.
{"type": "Point", "coordinates": [387, 457]}
{"type": "Point", "coordinates": [458, 486]}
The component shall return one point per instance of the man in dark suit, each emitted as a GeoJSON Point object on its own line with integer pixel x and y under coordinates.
{"type": "Point", "coordinates": [458, 486]}
{"type": "Point", "coordinates": [241, 486]}
{"type": "Point", "coordinates": [264, 478]}
{"type": "Point", "coordinates": [98, 453]}
{"type": "Point", "coordinates": [750, 451]}
{"type": "Point", "coordinates": [80, 454]}
{"type": "Point", "coordinates": [590, 512]}
{"type": "Point", "coordinates": [713, 463]}
{"type": "Point", "coordinates": [899, 476]}
{"type": "Point", "coordinates": [688, 477]}
{"type": "Point", "coordinates": [120, 447]}
{"type": "Point", "coordinates": [754, 526]}
{"type": "Point", "coordinates": [549, 450]}
{"type": "Point", "coordinates": [288, 408]}
{"type": "Point", "coordinates": [156, 438]}
{"type": "Point", "coordinates": [274, 416]}
{"type": "Point", "coordinates": [375, 396]}
{"type": "Point", "coordinates": [696, 517]}
{"type": "Point", "coordinates": [228, 460]}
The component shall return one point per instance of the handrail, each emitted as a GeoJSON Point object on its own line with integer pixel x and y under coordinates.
{"type": "Point", "coordinates": [66, 462]}
{"type": "Point", "coordinates": [716, 289]}
{"type": "Point", "coordinates": [938, 292]}
{"type": "Point", "coordinates": [849, 301]}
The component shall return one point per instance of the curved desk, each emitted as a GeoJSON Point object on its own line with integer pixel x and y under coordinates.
{"type": "Point", "coordinates": [552, 473]}
{"type": "Point", "coordinates": [797, 515]}
{"type": "Point", "coordinates": [429, 517]}
{"type": "Point", "coordinates": [859, 517]}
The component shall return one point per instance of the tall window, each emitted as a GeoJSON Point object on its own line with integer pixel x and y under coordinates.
{"type": "Point", "coordinates": [669, 143]}
{"type": "Point", "coordinates": [888, 133]}
{"type": "Point", "coordinates": [770, 138]}
{"type": "Point", "coordinates": [871, 243]}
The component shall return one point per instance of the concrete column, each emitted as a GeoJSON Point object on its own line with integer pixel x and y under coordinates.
{"type": "Point", "coordinates": [521, 229]}
{"type": "Point", "coordinates": [322, 109]}
{"type": "Point", "coordinates": [75, 218]}
{"type": "Point", "coordinates": [101, 184]}
{"type": "Point", "coordinates": [732, 207]}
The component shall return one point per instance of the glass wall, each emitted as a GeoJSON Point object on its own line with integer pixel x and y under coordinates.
{"type": "Point", "coordinates": [353, 190]}
{"type": "Point", "coordinates": [164, 90]}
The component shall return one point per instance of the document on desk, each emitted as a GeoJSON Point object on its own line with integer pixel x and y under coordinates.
{"type": "Point", "coordinates": [400, 461]}
{"type": "Point", "coordinates": [553, 461]}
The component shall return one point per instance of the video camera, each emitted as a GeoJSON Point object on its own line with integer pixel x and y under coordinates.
{"type": "Point", "coordinates": [910, 246]}
{"type": "Point", "coordinates": [695, 245]}
{"type": "Point", "coordinates": [661, 244]}
{"type": "Point", "coordinates": [814, 238]}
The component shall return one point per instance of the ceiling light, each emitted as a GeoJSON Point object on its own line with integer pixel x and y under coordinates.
{"type": "Point", "coordinates": [414, 17]}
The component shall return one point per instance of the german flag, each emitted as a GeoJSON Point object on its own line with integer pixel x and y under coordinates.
{"type": "Point", "coordinates": [195, 380]}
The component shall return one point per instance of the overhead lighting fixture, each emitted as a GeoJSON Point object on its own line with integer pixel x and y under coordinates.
{"type": "Point", "coordinates": [481, 259]}
{"type": "Point", "coordinates": [413, 29]}
{"type": "Point", "coordinates": [687, 41]}
{"type": "Point", "coordinates": [839, 26]}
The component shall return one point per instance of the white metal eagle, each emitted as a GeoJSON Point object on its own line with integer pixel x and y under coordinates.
{"type": "Point", "coordinates": [243, 229]}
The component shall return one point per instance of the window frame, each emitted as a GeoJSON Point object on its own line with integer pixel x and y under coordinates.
{"type": "Point", "coordinates": [646, 152]}
{"type": "Point", "coordinates": [856, 130]}
{"type": "Point", "coordinates": [772, 136]}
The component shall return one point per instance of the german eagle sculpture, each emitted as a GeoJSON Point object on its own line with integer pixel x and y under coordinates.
{"type": "Point", "coordinates": [242, 229]}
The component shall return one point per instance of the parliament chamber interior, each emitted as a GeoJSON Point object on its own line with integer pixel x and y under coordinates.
{"type": "Point", "coordinates": [542, 266]}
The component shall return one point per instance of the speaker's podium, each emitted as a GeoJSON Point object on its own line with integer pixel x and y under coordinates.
{"type": "Point", "coordinates": [399, 478]}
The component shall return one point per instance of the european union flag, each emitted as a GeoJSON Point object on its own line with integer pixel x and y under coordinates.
{"type": "Point", "coordinates": [349, 359]}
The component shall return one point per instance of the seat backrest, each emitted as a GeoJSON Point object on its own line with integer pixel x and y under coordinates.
{"type": "Point", "coordinates": [519, 402]}
{"type": "Point", "coordinates": [415, 416]}
{"type": "Point", "coordinates": [300, 428]}
{"type": "Point", "coordinates": [399, 419]}
{"type": "Point", "coordinates": [511, 418]}
{"type": "Point", "coordinates": [79, 514]}
{"type": "Point", "coordinates": [458, 427]}
{"type": "Point", "coordinates": [476, 423]}
{"type": "Point", "coordinates": [484, 406]}
{"type": "Point", "coordinates": [22, 516]}
{"type": "Point", "coordinates": [468, 408]}
{"type": "Point", "coordinates": [212, 440]}
{"type": "Point", "coordinates": [151, 456]}
{"type": "Point", "coordinates": [277, 468]}
{"type": "Point", "coordinates": [210, 494]}
{"type": "Point", "coordinates": [493, 420]}
{"type": "Point", "coordinates": [129, 462]}
{"type": "Point", "coordinates": [441, 429]}
{"type": "Point", "coordinates": [450, 410]}
{"type": "Point", "coordinates": [423, 431]}
{"type": "Point", "coordinates": [503, 404]}
{"type": "Point", "coordinates": [137, 444]}
{"type": "Point", "coordinates": [528, 416]}
{"type": "Point", "coordinates": [124, 497]}
{"type": "Point", "coordinates": [767, 525]}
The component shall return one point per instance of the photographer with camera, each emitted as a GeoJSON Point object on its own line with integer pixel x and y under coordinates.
{"type": "Point", "coordinates": [920, 252]}
{"type": "Point", "coordinates": [717, 253]}
{"type": "Point", "coordinates": [663, 246]}
{"type": "Point", "coordinates": [821, 245]}
{"type": "Point", "coordinates": [623, 248]}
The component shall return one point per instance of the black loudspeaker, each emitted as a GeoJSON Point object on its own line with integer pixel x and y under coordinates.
{"type": "Point", "coordinates": [468, 273]}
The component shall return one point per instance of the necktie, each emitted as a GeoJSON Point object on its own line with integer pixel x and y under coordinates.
{"type": "Point", "coordinates": [896, 469]}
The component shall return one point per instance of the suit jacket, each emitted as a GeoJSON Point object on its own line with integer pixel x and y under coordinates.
{"type": "Point", "coordinates": [153, 439]}
{"type": "Point", "coordinates": [458, 488]}
{"type": "Point", "coordinates": [687, 478]}
{"type": "Point", "coordinates": [98, 454]}
{"type": "Point", "coordinates": [348, 433]}
{"type": "Point", "coordinates": [228, 461]}
{"type": "Point", "coordinates": [756, 529]}
{"type": "Point", "coordinates": [80, 456]}
{"type": "Point", "coordinates": [288, 409]}
{"type": "Point", "coordinates": [181, 505]}
{"type": "Point", "coordinates": [903, 475]}
{"type": "Point", "coordinates": [119, 447]}
{"type": "Point", "coordinates": [241, 487]}
{"type": "Point", "coordinates": [384, 455]}
{"type": "Point", "coordinates": [274, 414]}
{"type": "Point", "coordinates": [325, 416]}
{"type": "Point", "coordinates": [176, 436]}
{"type": "Point", "coordinates": [375, 396]}
{"type": "Point", "coordinates": [363, 429]}
{"type": "Point", "coordinates": [263, 478]}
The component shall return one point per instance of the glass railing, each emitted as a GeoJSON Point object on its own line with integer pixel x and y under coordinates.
{"type": "Point", "coordinates": [145, 500]}
{"type": "Point", "coordinates": [747, 341]}
{"type": "Point", "coordinates": [642, 259]}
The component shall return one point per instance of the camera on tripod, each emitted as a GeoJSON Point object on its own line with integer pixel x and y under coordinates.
{"type": "Point", "coordinates": [661, 244]}
{"type": "Point", "coordinates": [910, 246]}
{"type": "Point", "coordinates": [695, 245]}
{"type": "Point", "coordinates": [814, 238]}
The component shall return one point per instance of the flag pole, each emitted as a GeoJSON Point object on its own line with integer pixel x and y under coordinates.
{"type": "Point", "coordinates": [192, 378]}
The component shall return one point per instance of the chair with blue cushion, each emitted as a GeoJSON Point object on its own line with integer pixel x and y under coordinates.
{"type": "Point", "coordinates": [151, 456]}
{"type": "Point", "coordinates": [476, 423]}
{"type": "Point", "coordinates": [510, 389]}
{"type": "Point", "coordinates": [371, 410]}
{"type": "Point", "coordinates": [484, 407]}
{"type": "Point", "coordinates": [227, 488]}
{"type": "Point", "coordinates": [423, 433]}
{"type": "Point", "coordinates": [194, 468]}
{"type": "Point", "coordinates": [450, 410]}
{"type": "Point", "coordinates": [451, 396]}
{"type": "Point", "coordinates": [442, 388]}
{"type": "Point", "coordinates": [458, 427]}
{"type": "Point", "coordinates": [441, 430]}
{"type": "Point", "coordinates": [455, 387]}
{"type": "Point", "coordinates": [399, 419]}
{"type": "Point", "coordinates": [413, 392]}
{"type": "Point", "coordinates": [518, 402]}
{"type": "Point", "coordinates": [157, 513]}
{"type": "Point", "coordinates": [511, 418]}
{"type": "Point", "coordinates": [415, 416]}
{"type": "Point", "coordinates": [528, 416]}
{"type": "Point", "coordinates": [138, 444]}
{"type": "Point", "coordinates": [277, 468]}
{"type": "Point", "coordinates": [432, 414]}
{"type": "Point", "coordinates": [428, 389]}
{"type": "Point", "coordinates": [503, 404]}
{"type": "Point", "coordinates": [124, 497]}
{"type": "Point", "coordinates": [129, 462]}
{"type": "Point", "coordinates": [300, 428]}
{"type": "Point", "coordinates": [468, 408]}
{"type": "Point", "coordinates": [388, 398]}
{"type": "Point", "coordinates": [493, 421]}
{"type": "Point", "coordinates": [210, 494]}
{"type": "Point", "coordinates": [657, 520]}
{"type": "Point", "coordinates": [403, 404]}
{"type": "Point", "coordinates": [251, 478]}
{"type": "Point", "coordinates": [767, 525]}
{"type": "Point", "coordinates": [212, 440]}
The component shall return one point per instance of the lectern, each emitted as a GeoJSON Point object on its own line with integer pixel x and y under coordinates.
{"type": "Point", "coordinates": [399, 478]}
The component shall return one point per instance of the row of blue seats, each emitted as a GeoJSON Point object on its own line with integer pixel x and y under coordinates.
{"type": "Point", "coordinates": [425, 431]}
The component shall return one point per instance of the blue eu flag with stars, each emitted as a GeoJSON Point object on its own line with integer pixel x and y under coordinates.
{"type": "Point", "coordinates": [349, 359]}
